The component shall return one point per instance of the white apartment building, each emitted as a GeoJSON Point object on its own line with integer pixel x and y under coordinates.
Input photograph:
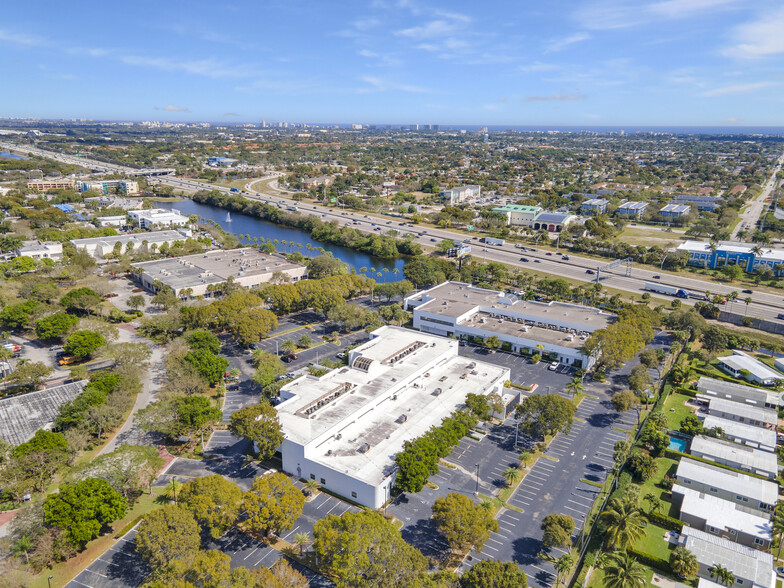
{"type": "Point", "coordinates": [41, 250]}
{"type": "Point", "coordinates": [344, 429]}
{"type": "Point", "coordinates": [100, 246]}
{"type": "Point", "coordinates": [557, 329]}
{"type": "Point", "coordinates": [158, 217]}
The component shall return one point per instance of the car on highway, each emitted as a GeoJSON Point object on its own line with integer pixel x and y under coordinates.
{"type": "Point", "coordinates": [537, 261]}
{"type": "Point", "coordinates": [524, 259]}
{"type": "Point", "coordinates": [553, 366]}
{"type": "Point", "coordinates": [565, 258]}
{"type": "Point", "coordinates": [780, 316]}
{"type": "Point", "coordinates": [657, 277]}
{"type": "Point", "coordinates": [748, 292]}
{"type": "Point", "coordinates": [468, 240]}
{"type": "Point", "coordinates": [590, 271]}
{"type": "Point", "coordinates": [433, 240]}
{"type": "Point", "coordinates": [549, 253]}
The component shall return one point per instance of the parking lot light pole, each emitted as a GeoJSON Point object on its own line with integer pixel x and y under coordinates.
{"type": "Point", "coordinates": [49, 579]}
{"type": "Point", "coordinates": [476, 492]}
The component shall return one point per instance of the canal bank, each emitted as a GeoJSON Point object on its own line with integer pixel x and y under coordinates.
{"type": "Point", "coordinates": [289, 239]}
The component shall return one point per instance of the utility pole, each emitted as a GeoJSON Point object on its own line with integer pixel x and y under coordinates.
{"type": "Point", "coordinates": [476, 492]}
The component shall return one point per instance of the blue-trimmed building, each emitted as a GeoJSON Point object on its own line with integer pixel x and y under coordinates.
{"type": "Point", "coordinates": [675, 210]}
{"type": "Point", "coordinates": [594, 206]}
{"type": "Point", "coordinates": [703, 203]}
{"type": "Point", "coordinates": [632, 209]}
{"type": "Point", "coordinates": [748, 256]}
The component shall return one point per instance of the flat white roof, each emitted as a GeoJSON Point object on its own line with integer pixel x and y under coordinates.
{"type": "Point", "coordinates": [743, 431]}
{"type": "Point", "coordinates": [735, 452]}
{"type": "Point", "coordinates": [739, 393]}
{"type": "Point", "coordinates": [356, 419]}
{"type": "Point", "coordinates": [743, 561]}
{"type": "Point", "coordinates": [742, 361]}
{"type": "Point", "coordinates": [728, 480]}
{"type": "Point", "coordinates": [149, 236]}
{"type": "Point", "coordinates": [723, 514]}
{"type": "Point", "coordinates": [747, 411]}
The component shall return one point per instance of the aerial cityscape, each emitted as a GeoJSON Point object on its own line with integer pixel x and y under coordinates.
{"type": "Point", "coordinates": [394, 293]}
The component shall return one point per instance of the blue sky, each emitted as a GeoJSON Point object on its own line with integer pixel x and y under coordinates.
{"type": "Point", "coordinates": [592, 62]}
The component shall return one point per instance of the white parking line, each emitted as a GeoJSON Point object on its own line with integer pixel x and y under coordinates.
{"type": "Point", "coordinates": [96, 573]}
{"type": "Point", "coordinates": [82, 583]}
{"type": "Point", "coordinates": [251, 553]}
{"type": "Point", "coordinates": [574, 509]}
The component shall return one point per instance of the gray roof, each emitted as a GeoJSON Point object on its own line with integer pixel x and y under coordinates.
{"type": "Point", "coordinates": [738, 392]}
{"type": "Point", "coordinates": [723, 514]}
{"type": "Point", "coordinates": [745, 562]}
{"type": "Point", "coordinates": [742, 431]}
{"type": "Point", "coordinates": [21, 416]}
{"type": "Point", "coordinates": [633, 206]}
{"type": "Point", "coordinates": [746, 411]}
{"type": "Point", "coordinates": [728, 480]}
{"type": "Point", "coordinates": [552, 217]}
{"type": "Point", "coordinates": [748, 457]}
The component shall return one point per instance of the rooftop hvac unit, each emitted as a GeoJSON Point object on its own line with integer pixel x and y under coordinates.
{"type": "Point", "coordinates": [401, 419]}
{"type": "Point", "coordinates": [364, 448]}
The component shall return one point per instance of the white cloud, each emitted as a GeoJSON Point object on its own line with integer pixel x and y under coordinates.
{"type": "Point", "coordinates": [172, 108]}
{"type": "Point", "coordinates": [555, 98]}
{"type": "Point", "coordinates": [538, 66]}
{"type": "Point", "coordinates": [22, 39]}
{"type": "Point", "coordinates": [731, 120]}
{"type": "Point", "coordinates": [434, 28]}
{"type": "Point", "coordinates": [204, 67]}
{"type": "Point", "coordinates": [381, 85]}
{"type": "Point", "coordinates": [619, 14]}
{"type": "Point", "coordinates": [758, 38]}
{"type": "Point", "coordinates": [562, 43]}
{"type": "Point", "coordinates": [738, 89]}
{"type": "Point", "coordinates": [230, 114]}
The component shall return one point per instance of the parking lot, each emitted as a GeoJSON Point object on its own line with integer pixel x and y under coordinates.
{"type": "Point", "coordinates": [117, 567]}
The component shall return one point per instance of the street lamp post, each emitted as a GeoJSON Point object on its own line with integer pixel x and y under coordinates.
{"type": "Point", "coordinates": [49, 579]}
{"type": "Point", "coordinates": [476, 492]}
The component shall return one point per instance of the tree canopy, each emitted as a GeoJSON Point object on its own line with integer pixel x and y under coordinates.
{"type": "Point", "coordinates": [258, 424]}
{"type": "Point", "coordinates": [545, 414]}
{"type": "Point", "coordinates": [167, 534]}
{"type": "Point", "coordinates": [463, 522]}
{"type": "Point", "coordinates": [273, 503]}
{"type": "Point", "coordinates": [214, 502]}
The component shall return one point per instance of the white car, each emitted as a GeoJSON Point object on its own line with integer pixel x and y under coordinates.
{"type": "Point", "coordinates": [553, 366]}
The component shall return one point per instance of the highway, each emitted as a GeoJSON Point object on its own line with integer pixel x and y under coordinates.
{"type": "Point", "coordinates": [763, 305]}
{"type": "Point", "coordinates": [750, 216]}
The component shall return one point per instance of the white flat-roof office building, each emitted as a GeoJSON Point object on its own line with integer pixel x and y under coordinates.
{"type": "Point", "coordinates": [194, 273]}
{"type": "Point", "coordinates": [461, 310]}
{"type": "Point", "coordinates": [101, 246]}
{"type": "Point", "coordinates": [158, 217]}
{"type": "Point", "coordinates": [344, 429]}
{"type": "Point", "coordinates": [41, 250]}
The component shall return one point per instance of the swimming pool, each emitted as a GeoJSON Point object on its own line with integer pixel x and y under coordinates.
{"type": "Point", "coordinates": [678, 444]}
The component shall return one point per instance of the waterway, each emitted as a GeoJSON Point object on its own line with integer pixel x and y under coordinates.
{"type": "Point", "coordinates": [9, 155]}
{"type": "Point", "coordinates": [295, 239]}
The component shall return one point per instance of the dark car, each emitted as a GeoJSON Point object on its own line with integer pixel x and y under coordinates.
{"type": "Point", "coordinates": [537, 261]}
{"type": "Point", "coordinates": [590, 271]}
{"type": "Point", "coordinates": [748, 292]}
{"type": "Point", "coordinates": [657, 277]}
{"type": "Point", "coordinates": [780, 316]}
{"type": "Point", "coordinates": [289, 358]}
{"type": "Point", "coordinates": [549, 253]}
{"type": "Point", "coordinates": [524, 259]}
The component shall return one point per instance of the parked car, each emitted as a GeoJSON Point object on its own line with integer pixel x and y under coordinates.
{"type": "Point", "coordinates": [341, 355]}
{"type": "Point", "coordinates": [549, 253]}
{"type": "Point", "coordinates": [433, 240]}
{"type": "Point", "coordinates": [553, 366]}
{"type": "Point", "coordinates": [68, 360]}
{"type": "Point", "coordinates": [289, 358]}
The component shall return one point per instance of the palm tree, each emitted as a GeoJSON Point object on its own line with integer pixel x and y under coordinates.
{"type": "Point", "coordinates": [625, 523]}
{"type": "Point", "coordinates": [21, 547]}
{"type": "Point", "coordinates": [683, 562]}
{"type": "Point", "coordinates": [395, 271]}
{"type": "Point", "coordinates": [575, 386]}
{"type": "Point", "coordinates": [301, 540]}
{"type": "Point", "coordinates": [288, 346]}
{"type": "Point", "coordinates": [386, 272]}
{"type": "Point", "coordinates": [363, 269]}
{"type": "Point", "coordinates": [511, 475]}
{"type": "Point", "coordinates": [778, 526]}
{"type": "Point", "coordinates": [722, 574]}
{"type": "Point", "coordinates": [171, 491]}
{"type": "Point", "coordinates": [312, 486]}
{"type": "Point", "coordinates": [524, 457]}
{"type": "Point", "coordinates": [562, 566]}
{"type": "Point", "coordinates": [747, 300]}
{"type": "Point", "coordinates": [622, 570]}
{"type": "Point", "coordinates": [654, 501]}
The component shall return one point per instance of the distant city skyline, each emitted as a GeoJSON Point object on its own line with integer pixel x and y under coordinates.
{"type": "Point", "coordinates": [594, 63]}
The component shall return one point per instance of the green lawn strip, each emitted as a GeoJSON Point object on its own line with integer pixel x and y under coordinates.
{"type": "Point", "coordinates": [653, 542]}
{"type": "Point", "coordinates": [65, 571]}
{"type": "Point", "coordinates": [675, 410]}
{"type": "Point", "coordinates": [579, 420]}
{"type": "Point", "coordinates": [621, 430]}
{"type": "Point", "coordinates": [664, 466]}
{"type": "Point", "coordinates": [592, 483]}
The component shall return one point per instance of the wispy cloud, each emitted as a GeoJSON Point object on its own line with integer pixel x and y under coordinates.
{"type": "Point", "coordinates": [210, 68]}
{"type": "Point", "coordinates": [172, 108]}
{"type": "Point", "coordinates": [759, 38]}
{"type": "Point", "coordinates": [538, 66]}
{"type": "Point", "coordinates": [619, 14]}
{"type": "Point", "coordinates": [22, 39]}
{"type": "Point", "coordinates": [562, 43]}
{"type": "Point", "coordinates": [738, 89]}
{"type": "Point", "coordinates": [731, 120]}
{"type": "Point", "coordinates": [230, 114]}
{"type": "Point", "coordinates": [376, 84]}
{"type": "Point", "coordinates": [434, 28]}
{"type": "Point", "coordinates": [555, 98]}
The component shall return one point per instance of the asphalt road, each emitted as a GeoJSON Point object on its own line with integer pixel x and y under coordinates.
{"type": "Point", "coordinates": [751, 215]}
{"type": "Point", "coordinates": [764, 305]}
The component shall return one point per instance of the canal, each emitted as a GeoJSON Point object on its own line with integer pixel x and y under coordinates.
{"type": "Point", "coordinates": [289, 239]}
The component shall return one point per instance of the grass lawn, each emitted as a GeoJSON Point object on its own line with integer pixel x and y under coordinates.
{"type": "Point", "coordinates": [664, 466]}
{"type": "Point", "coordinates": [597, 578]}
{"type": "Point", "coordinates": [653, 542]}
{"type": "Point", "coordinates": [675, 410]}
{"type": "Point", "coordinates": [64, 572]}
{"type": "Point", "coordinates": [650, 236]}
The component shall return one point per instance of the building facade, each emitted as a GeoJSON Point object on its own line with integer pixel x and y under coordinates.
{"type": "Point", "coordinates": [747, 256]}
{"type": "Point", "coordinates": [41, 250]}
{"type": "Point", "coordinates": [128, 187]}
{"type": "Point", "coordinates": [99, 247]}
{"type": "Point", "coordinates": [675, 210]}
{"type": "Point", "coordinates": [594, 206]}
{"type": "Point", "coordinates": [45, 185]}
{"type": "Point", "coordinates": [158, 217]}
{"type": "Point", "coordinates": [462, 194]}
{"type": "Point", "coordinates": [632, 209]}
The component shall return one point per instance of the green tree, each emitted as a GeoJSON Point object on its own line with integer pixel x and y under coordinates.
{"type": "Point", "coordinates": [654, 501]}
{"type": "Point", "coordinates": [624, 400]}
{"type": "Point", "coordinates": [304, 341]}
{"type": "Point", "coordinates": [18, 316]}
{"type": "Point", "coordinates": [324, 266]}
{"type": "Point", "coordinates": [642, 465]}
{"type": "Point", "coordinates": [394, 314]}
{"type": "Point", "coordinates": [178, 416]}
{"type": "Point", "coordinates": [83, 509]}
{"type": "Point", "coordinates": [463, 522]}
{"type": "Point", "coordinates": [136, 301]}
{"type": "Point", "coordinates": [558, 530]}
{"type": "Point", "coordinates": [273, 503]}
{"type": "Point", "coordinates": [622, 570]}
{"type": "Point", "coordinates": [167, 534]}
{"type": "Point", "coordinates": [624, 522]}
{"type": "Point", "coordinates": [575, 386]}
{"type": "Point", "coordinates": [210, 367]}
{"type": "Point", "coordinates": [81, 300]}
{"type": "Point", "coordinates": [127, 468]}
{"type": "Point", "coordinates": [253, 326]}
{"type": "Point", "coordinates": [258, 424]}
{"type": "Point", "coordinates": [479, 405]}
{"type": "Point", "coordinates": [722, 575]}
{"type": "Point", "coordinates": [43, 455]}
{"type": "Point", "coordinates": [204, 340]}
{"type": "Point", "coordinates": [364, 549]}
{"type": "Point", "coordinates": [652, 359]}
{"type": "Point", "coordinates": [268, 365]}
{"type": "Point", "coordinates": [714, 338]}
{"type": "Point", "coordinates": [29, 374]}
{"type": "Point", "coordinates": [214, 502]}
{"type": "Point", "coordinates": [83, 343]}
{"type": "Point", "coordinates": [545, 414]}
{"type": "Point", "coordinates": [683, 562]}
{"type": "Point", "coordinates": [511, 475]}
{"type": "Point", "coordinates": [494, 574]}
{"type": "Point", "coordinates": [55, 325]}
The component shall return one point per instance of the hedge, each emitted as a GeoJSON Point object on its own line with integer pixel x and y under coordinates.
{"type": "Point", "coordinates": [664, 521]}
{"type": "Point", "coordinates": [651, 561]}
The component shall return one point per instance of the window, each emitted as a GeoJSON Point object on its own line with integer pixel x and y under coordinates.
{"type": "Point", "coordinates": [714, 489]}
{"type": "Point", "coordinates": [758, 541]}
{"type": "Point", "coordinates": [312, 477]}
{"type": "Point", "coordinates": [353, 495]}
{"type": "Point", "coordinates": [323, 481]}
{"type": "Point", "coordinates": [733, 532]}
{"type": "Point", "coordinates": [687, 482]}
{"type": "Point", "coordinates": [713, 530]}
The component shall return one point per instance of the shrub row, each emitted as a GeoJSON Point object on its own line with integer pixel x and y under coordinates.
{"type": "Point", "coordinates": [664, 521]}
{"type": "Point", "coordinates": [651, 561]}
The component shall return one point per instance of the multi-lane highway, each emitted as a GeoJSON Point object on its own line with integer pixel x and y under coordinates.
{"type": "Point", "coordinates": [763, 305]}
{"type": "Point", "coordinates": [752, 213]}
